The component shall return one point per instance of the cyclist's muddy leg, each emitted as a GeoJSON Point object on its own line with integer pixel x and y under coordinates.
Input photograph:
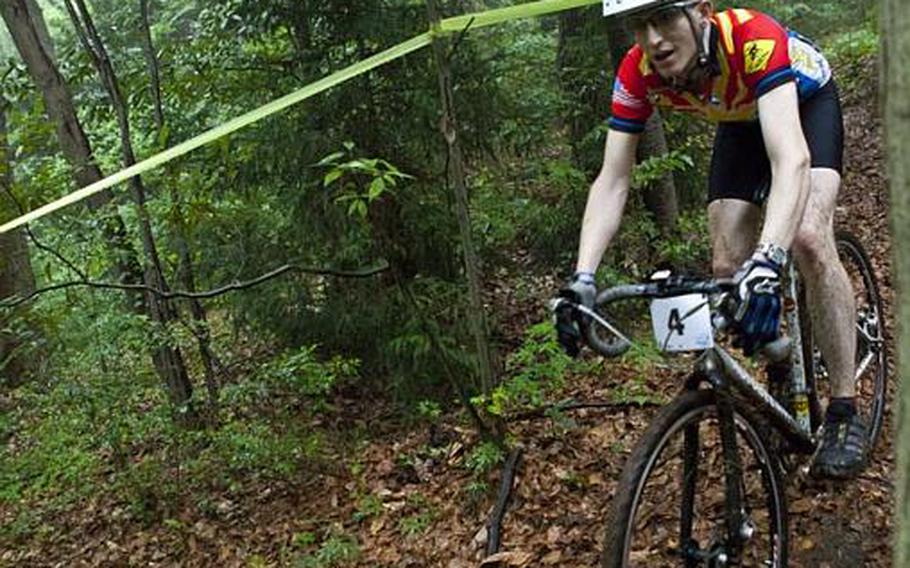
{"type": "Point", "coordinates": [830, 294]}
{"type": "Point", "coordinates": [734, 228]}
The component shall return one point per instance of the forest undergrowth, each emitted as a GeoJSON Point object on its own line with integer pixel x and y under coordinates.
{"type": "Point", "coordinates": [315, 455]}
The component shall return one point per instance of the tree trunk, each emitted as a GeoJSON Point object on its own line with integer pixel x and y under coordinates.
{"type": "Point", "coordinates": [660, 197]}
{"type": "Point", "coordinates": [33, 46]}
{"type": "Point", "coordinates": [168, 360]}
{"type": "Point", "coordinates": [896, 90]}
{"type": "Point", "coordinates": [186, 272]}
{"type": "Point", "coordinates": [16, 277]}
{"type": "Point", "coordinates": [37, 17]}
{"type": "Point", "coordinates": [456, 174]}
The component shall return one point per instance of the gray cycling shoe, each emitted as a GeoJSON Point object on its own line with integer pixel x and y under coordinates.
{"type": "Point", "coordinates": [844, 452]}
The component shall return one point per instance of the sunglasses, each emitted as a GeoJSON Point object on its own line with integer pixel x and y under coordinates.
{"type": "Point", "coordinates": [660, 17]}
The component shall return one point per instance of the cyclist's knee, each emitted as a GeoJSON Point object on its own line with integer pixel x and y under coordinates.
{"type": "Point", "coordinates": [724, 267]}
{"type": "Point", "coordinates": [728, 253]}
{"type": "Point", "coordinates": [814, 248]}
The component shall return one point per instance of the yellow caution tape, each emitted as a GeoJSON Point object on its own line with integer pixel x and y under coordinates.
{"type": "Point", "coordinates": [500, 15]}
{"type": "Point", "coordinates": [233, 125]}
{"type": "Point", "coordinates": [449, 25]}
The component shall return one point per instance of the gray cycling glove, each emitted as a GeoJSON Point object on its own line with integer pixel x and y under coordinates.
{"type": "Point", "coordinates": [570, 324]}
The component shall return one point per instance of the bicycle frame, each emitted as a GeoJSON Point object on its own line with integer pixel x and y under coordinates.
{"type": "Point", "coordinates": [718, 368]}
{"type": "Point", "coordinates": [721, 370]}
{"type": "Point", "coordinates": [724, 373]}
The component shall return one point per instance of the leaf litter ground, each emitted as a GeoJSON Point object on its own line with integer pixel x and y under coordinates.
{"type": "Point", "coordinates": [408, 500]}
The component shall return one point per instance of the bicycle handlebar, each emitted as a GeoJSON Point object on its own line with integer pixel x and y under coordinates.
{"type": "Point", "coordinates": [674, 286]}
{"type": "Point", "coordinates": [666, 288]}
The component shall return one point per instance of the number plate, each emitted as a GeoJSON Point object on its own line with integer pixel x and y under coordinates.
{"type": "Point", "coordinates": [682, 323]}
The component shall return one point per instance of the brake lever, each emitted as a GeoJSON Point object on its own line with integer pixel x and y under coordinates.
{"type": "Point", "coordinates": [597, 317]}
{"type": "Point", "coordinates": [558, 303]}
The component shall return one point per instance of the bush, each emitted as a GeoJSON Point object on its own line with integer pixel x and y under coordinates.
{"type": "Point", "coordinates": [483, 458]}
{"type": "Point", "coordinates": [338, 549]}
{"type": "Point", "coordinates": [538, 367]}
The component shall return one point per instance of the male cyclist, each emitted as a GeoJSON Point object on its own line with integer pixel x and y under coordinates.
{"type": "Point", "coordinates": [779, 145]}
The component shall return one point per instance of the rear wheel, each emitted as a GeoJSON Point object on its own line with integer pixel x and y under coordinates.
{"type": "Point", "coordinates": [871, 356]}
{"type": "Point", "coordinates": [669, 508]}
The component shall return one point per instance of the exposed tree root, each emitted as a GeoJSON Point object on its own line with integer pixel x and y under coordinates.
{"type": "Point", "coordinates": [494, 526]}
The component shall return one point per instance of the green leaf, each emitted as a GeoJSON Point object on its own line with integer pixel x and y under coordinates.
{"type": "Point", "coordinates": [358, 207]}
{"type": "Point", "coordinates": [377, 188]}
{"type": "Point", "coordinates": [330, 159]}
{"type": "Point", "coordinates": [331, 177]}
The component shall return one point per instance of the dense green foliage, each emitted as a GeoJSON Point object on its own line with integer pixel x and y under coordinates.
{"type": "Point", "coordinates": [343, 181]}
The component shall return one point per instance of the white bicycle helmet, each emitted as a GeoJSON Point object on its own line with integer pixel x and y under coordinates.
{"type": "Point", "coordinates": [627, 7]}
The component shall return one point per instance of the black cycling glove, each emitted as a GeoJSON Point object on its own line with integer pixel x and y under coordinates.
{"type": "Point", "coordinates": [758, 303]}
{"type": "Point", "coordinates": [570, 324]}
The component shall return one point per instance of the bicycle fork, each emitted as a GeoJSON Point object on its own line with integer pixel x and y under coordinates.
{"type": "Point", "coordinates": [737, 524]}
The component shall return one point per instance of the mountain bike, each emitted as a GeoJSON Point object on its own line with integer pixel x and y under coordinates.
{"type": "Point", "coordinates": [705, 484]}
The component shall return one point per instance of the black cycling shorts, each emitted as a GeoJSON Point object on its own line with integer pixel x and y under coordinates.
{"type": "Point", "coordinates": [739, 165]}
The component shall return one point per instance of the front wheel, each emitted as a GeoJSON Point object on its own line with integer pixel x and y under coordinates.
{"type": "Point", "coordinates": [670, 504]}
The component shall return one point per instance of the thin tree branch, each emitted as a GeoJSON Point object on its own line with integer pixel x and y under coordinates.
{"type": "Point", "coordinates": [53, 252]}
{"type": "Point", "coordinates": [152, 62]}
{"type": "Point", "coordinates": [81, 32]}
{"type": "Point", "coordinates": [457, 43]}
{"type": "Point", "coordinates": [566, 406]}
{"type": "Point", "coordinates": [167, 294]}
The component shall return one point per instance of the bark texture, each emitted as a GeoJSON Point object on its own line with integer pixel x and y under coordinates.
{"type": "Point", "coordinates": [896, 89]}
{"type": "Point", "coordinates": [33, 44]}
{"type": "Point", "coordinates": [456, 174]}
{"type": "Point", "coordinates": [16, 277]}
{"type": "Point", "coordinates": [37, 16]}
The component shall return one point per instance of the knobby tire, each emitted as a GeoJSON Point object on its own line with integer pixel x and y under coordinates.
{"type": "Point", "coordinates": [685, 414]}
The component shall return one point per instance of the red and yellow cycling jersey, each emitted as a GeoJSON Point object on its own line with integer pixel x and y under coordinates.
{"type": "Point", "coordinates": [751, 54]}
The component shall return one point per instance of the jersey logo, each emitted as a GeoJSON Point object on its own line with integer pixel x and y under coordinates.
{"type": "Point", "coordinates": [758, 54]}
{"type": "Point", "coordinates": [622, 96]}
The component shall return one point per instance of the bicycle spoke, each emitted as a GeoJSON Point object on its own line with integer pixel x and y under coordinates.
{"type": "Point", "coordinates": [690, 471]}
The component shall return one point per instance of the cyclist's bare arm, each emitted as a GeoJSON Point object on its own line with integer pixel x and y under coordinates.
{"type": "Point", "coordinates": [778, 112]}
{"type": "Point", "coordinates": [606, 199]}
